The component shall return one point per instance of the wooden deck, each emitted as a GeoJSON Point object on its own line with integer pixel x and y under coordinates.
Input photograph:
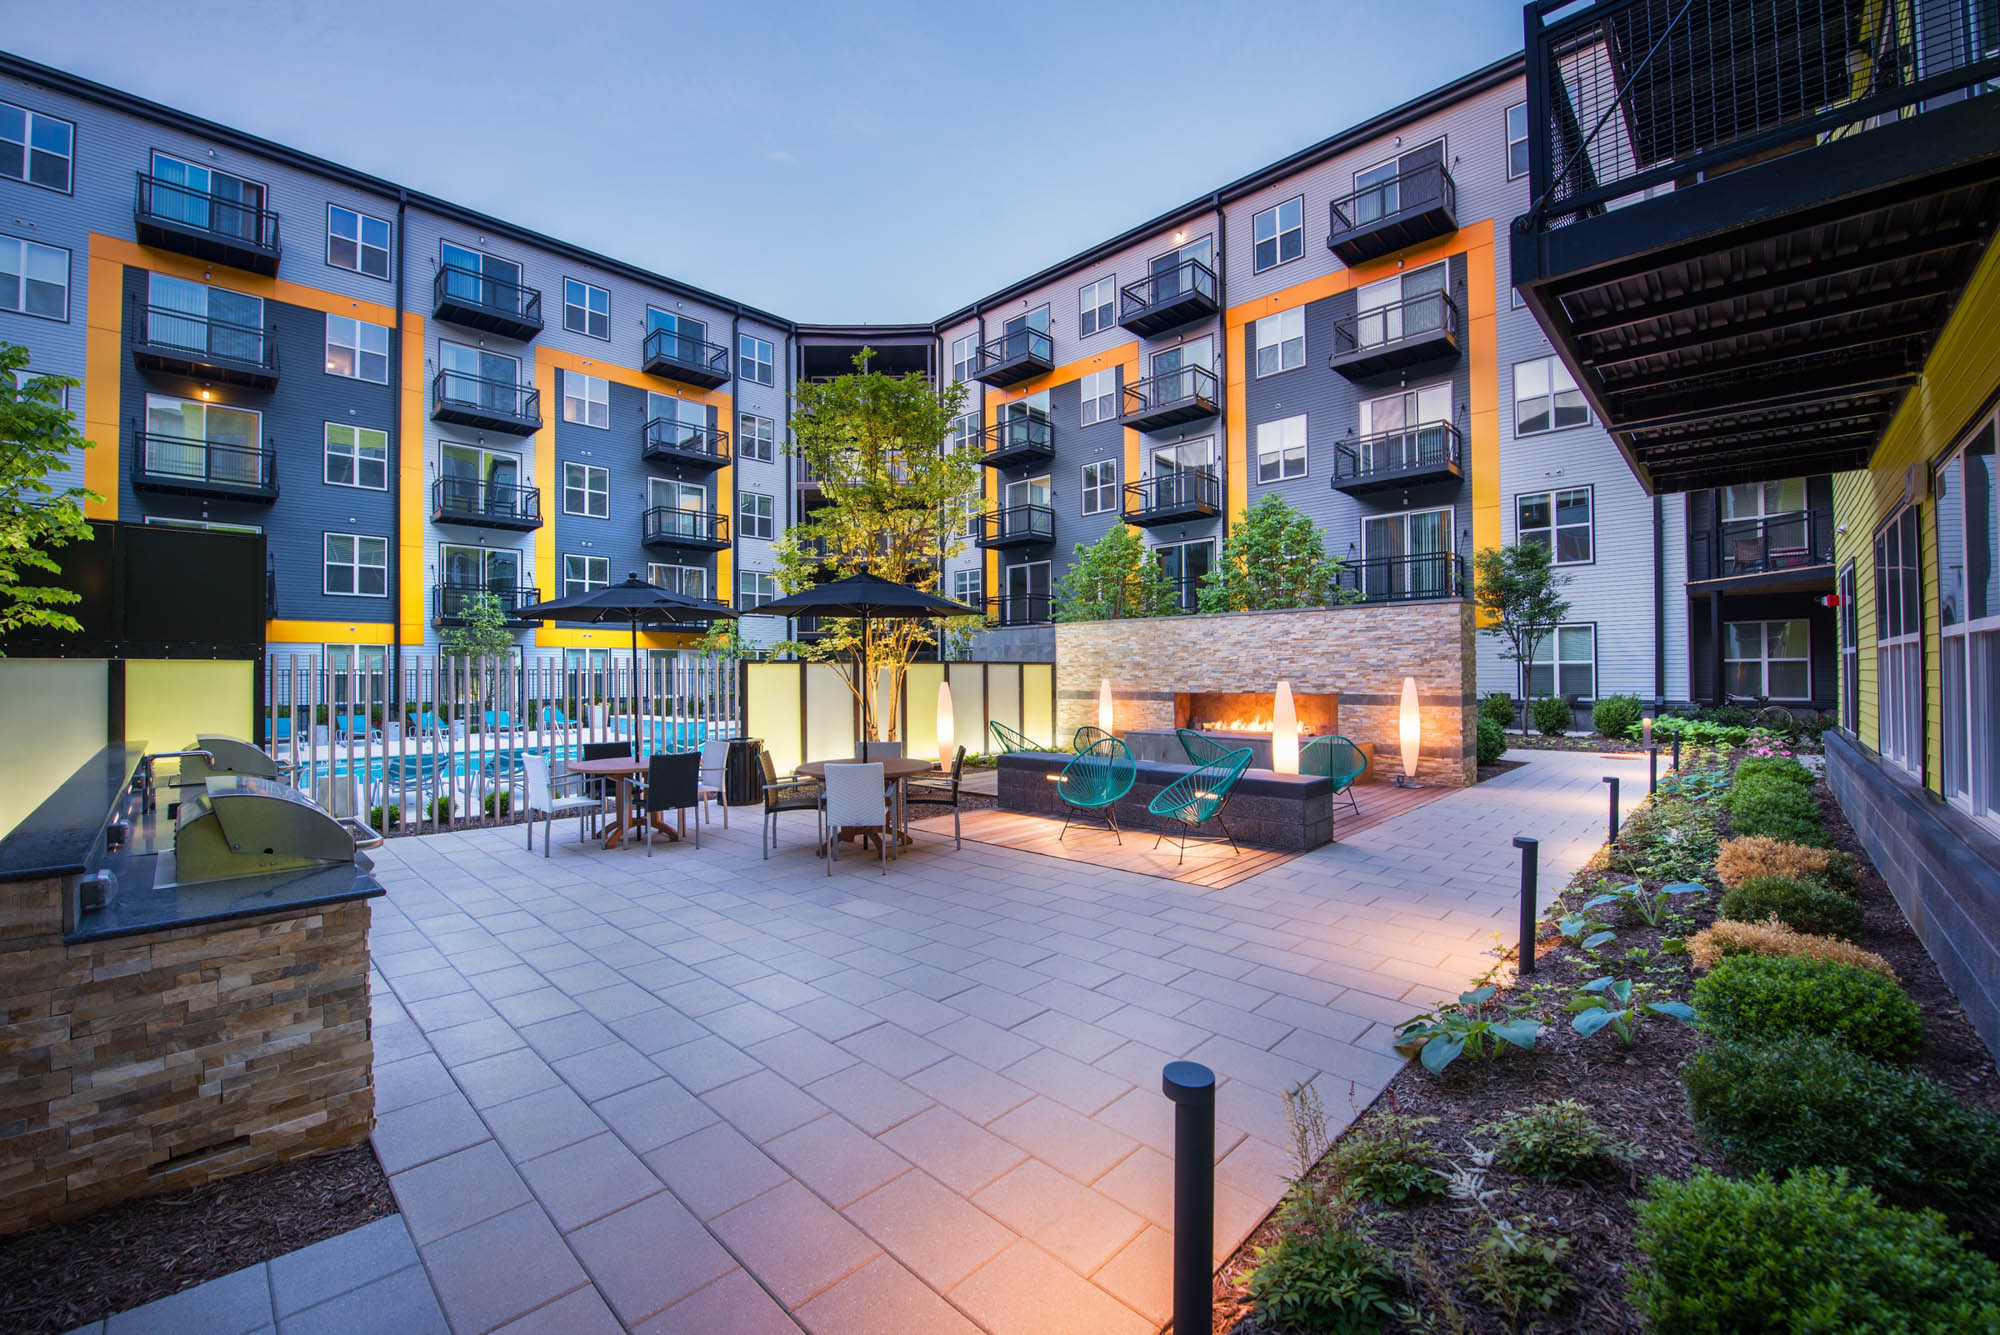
{"type": "Point", "coordinates": [1213, 865]}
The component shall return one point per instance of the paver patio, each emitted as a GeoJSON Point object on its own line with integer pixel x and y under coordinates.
{"type": "Point", "coordinates": [704, 1092]}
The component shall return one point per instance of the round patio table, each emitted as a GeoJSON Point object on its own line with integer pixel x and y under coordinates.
{"type": "Point", "coordinates": [623, 769]}
{"type": "Point", "coordinates": [894, 768]}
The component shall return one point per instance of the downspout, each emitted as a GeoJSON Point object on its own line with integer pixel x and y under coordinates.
{"type": "Point", "coordinates": [1223, 353]}
{"type": "Point", "coordinates": [1659, 602]}
{"type": "Point", "coordinates": [735, 510]}
{"type": "Point", "coordinates": [396, 453]}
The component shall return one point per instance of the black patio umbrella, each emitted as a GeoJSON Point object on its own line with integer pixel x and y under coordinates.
{"type": "Point", "coordinates": [870, 598]}
{"type": "Point", "coordinates": [633, 600]}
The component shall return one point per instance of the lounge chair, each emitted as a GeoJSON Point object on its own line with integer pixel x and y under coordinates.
{"type": "Point", "coordinates": [1198, 797]}
{"type": "Point", "coordinates": [1011, 740]}
{"type": "Point", "coordinates": [1095, 780]}
{"type": "Point", "coordinates": [1335, 757]}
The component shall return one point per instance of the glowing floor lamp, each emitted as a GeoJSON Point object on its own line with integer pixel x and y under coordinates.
{"type": "Point", "coordinates": [1410, 733]}
{"type": "Point", "coordinates": [1104, 703]}
{"type": "Point", "coordinates": [947, 726]}
{"type": "Point", "coordinates": [1284, 732]}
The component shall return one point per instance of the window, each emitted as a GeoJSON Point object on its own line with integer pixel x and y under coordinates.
{"type": "Point", "coordinates": [964, 357]}
{"type": "Point", "coordinates": [1094, 307]}
{"type": "Point", "coordinates": [474, 480]}
{"type": "Point", "coordinates": [357, 241]}
{"type": "Point", "coordinates": [581, 574]}
{"type": "Point", "coordinates": [469, 570]}
{"type": "Point", "coordinates": [1281, 449]}
{"type": "Point", "coordinates": [356, 564]}
{"type": "Point", "coordinates": [1968, 554]}
{"type": "Point", "coordinates": [1559, 521]}
{"type": "Point", "coordinates": [1404, 306]}
{"type": "Point", "coordinates": [1767, 659]}
{"type": "Point", "coordinates": [1379, 190]}
{"type": "Point", "coordinates": [1850, 652]}
{"type": "Point", "coordinates": [186, 439]}
{"type": "Point", "coordinates": [34, 279]}
{"type": "Point", "coordinates": [965, 587]}
{"type": "Point", "coordinates": [1407, 555]}
{"type": "Point", "coordinates": [1565, 664]}
{"type": "Point", "coordinates": [753, 359]}
{"type": "Point", "coordinates": [692, 581]}
{"type": "Point", "coordinates": [586, 400]}
{"type": "Point", "coordinates": [756, 512]}
{"type": "Point", "coordinates": [202, 197]}
{"type": "Point", "coordinates": [1281, 341]}
{"type": "Point", "coordinates": [357, 456]}
{"type": "Point", "coordinates": [1517, 141]}
{"type": "Point", "coordinates": [1185, 563]}
{"type": "Point", "coordinates": [1408, 429]}
{"type": "Point", "coordinates": [964, 432]}
{"type": "Point", "coordinates": [35, 148]}
{"type": "Point", "coordinates": [754, 588]}
{"type": "Point", "coordinates": [1100, 487]}
{"type": "Point", "coordinates": [1279, 233]}
{"type": "Point", "coordinates": [586, 490]}
{"type": "Point", "coordinates": [347, 663]}
{"type": "Point", "coordinates": [754, 437]}
{"type": "Point", "coordinates": [586, 309]}
{"type": "Point", "coordinates": [1100, 397]}
{"type": "Point", "coordinates": [1899, 654]}
{"type": "Point", "coordinates": [357, 349]}
{"type": "Point", "coordinates": [1546, 397]}
{"type": "Point", "coordinates": [482, 279]}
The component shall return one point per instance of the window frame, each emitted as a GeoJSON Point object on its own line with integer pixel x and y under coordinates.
{"type": "Point", "coordinates": [1552, 363]}
{"type": "Point", "coordinates": [1095, 318]}
{"type": "Point", "coordinates": [328, 345]}
{"type": "Point", "coordinates": [962, 368]}
{"type": "Point", "coordinates": [586, 398]}
{"type": "Point", "coordinates": [1087, 399]}
{"type": "Point", "coordinates": [652, 567]}
{"type": "Point", "coordinates": [361, 245]}
{"type": "Point", "coordinates": [1278, 234]}
{"type": "Point", "coordinates": [327, 456]}
{"type": "Point", "coordinates": [355, 564]}
{"type": "Point", "coordinates": [1554, 529]}
{"type": "Point", "coordinates": [1969, 644]}
{"type": "Point", "coordinates": [755, 578]}
{"type": "Point", "coordinates": [1847, 623]}
{"type": "Point", "coordinates": [568, 306]}
{"type": "Point", "coordinates": [1899, 658]}
{"type": "Point", "coordinates": [1555, 662]}
{"type": "Point", "coordinates": [755, 443]}
{"type": "Point", "coordinates": [748, 361]}
{"type": "Point", "coordinates": [588, 581]}
{"type": "Point", "coordinates": [763, 526]}
{"type": "Point", "coordinates": [1508, 139]}
{"type": "Point", "coordinates": [1088, 489]}
{"type": "Point", "coordinates": [586, 490]}
{"type": "Point", "coordinates": [68, 285]}
{"type": "Point", "coordinates": [1284, 449]}
{"type": "Point", "coordinates": [1764, 658]}
{"type": "Point", "coordinates": [1277, 321]}
{"type": "Point", "coordinates": [29, 117]}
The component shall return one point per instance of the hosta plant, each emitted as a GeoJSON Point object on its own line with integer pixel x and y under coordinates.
{"type": "Point", "coordinates": [1585, 932]}
{"type": "Point", "coordinates": [1617, 1004]}
{"type": "Point", "coordinates": [1649, 906]}
{"type": "Point", "coordinates": [1438, 1038]}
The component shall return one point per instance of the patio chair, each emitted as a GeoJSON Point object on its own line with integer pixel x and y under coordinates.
{"type": "Point", "coordinates": [543, 798]}
{"type": "Point", "coordinates": [940, 795]}
{"type": "Point", "coordinates": [714, 759]}
{"type": "Point", "coordinates": [1086, 737]}
{"type": "Point", "coordinates": [855, 796]}
{"type": "Point", "coordinates": [1198, 797]}
{"type": "Point", "coordinates": [785, 795]}
{"type": "Point", "coordinates": [604, 790]}
{"type": "Point", "coordinates": [673, 783]}
{"type": "Point", "coordinates": [1200, 750]}
{"type": "Point", "coordinates": [881, 750]}
{"type": "Point", "coordinates": [1011, 740]}
{"type": "Point", "coordinates": [1095, 780]}
{"type": "Point", "coordinates": [1335, 757]}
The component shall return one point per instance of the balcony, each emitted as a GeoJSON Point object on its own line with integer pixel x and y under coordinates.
{"type": "Point", "coordinates": [1018, 609]}
{"type": "Point", "coordinates": [1403, 579]}
{"type": "Point", "coordinates": [203, 348]}
{"type": "Point", "coordinates": [668, 441]}
{"type": "Point", "coordinates": [1170, 399]}
{"type": "Point", "coordinates": [1173, 498]}
{"type": "Point", "coordinates": [477, 503]}
{"type": "Point", "coordinates": [182, 466]}
{"type": "Point", "coordinates": [1413, 206]}
{"type": "Point", "coordinates": [1748, 226]}
{"type": "Point", "coordinates": [1168, 300]}
{"type": "Point", "coordinates": [194, 222]}
{"type": "Point", "coordinates": [490, 405]}
{"type": "Point", "coordinates": [1409, 457]}
{"type": "Point", "coordinates": [1016, 526]}
{"type": "Point", "coordinates": [1015, 441]}
{"type": "Point", "coordinates": [451, 604]}
{"type": "Point", "coordinates": [1014, 357]}
{"type": "Point", "coordinates": [666, 526]}
{"type": "Point", "coordinates": [689, 360]}
{"type": "Point", "coordinates": [472, 300]}
{"type": "Point", "coordinates": [810, 630]}
{"type": "Point", "coordinates": [1767, 552]}
{"type": "Point", "coordinates": [1422, 328]}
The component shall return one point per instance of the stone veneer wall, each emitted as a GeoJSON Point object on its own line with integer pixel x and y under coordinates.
{"type": "Point", "coordinates": [149, 1063]}
{"type": "Point", "coordinates": [1361, 652]}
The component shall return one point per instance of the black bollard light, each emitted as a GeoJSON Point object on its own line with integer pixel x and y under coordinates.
{"type": "Point", "coordinates": [1612, 779]}
{"type": "Point", "coordinates": [1677, 753]}
{"type": "Point", "coordinates": [1530, 858]}
{"type": "Point", "coordinates": [1652, 769]}
{"type": "Point", "coordinates": [1191, 1087]}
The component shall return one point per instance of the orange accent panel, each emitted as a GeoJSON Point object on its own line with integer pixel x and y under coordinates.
{"type": "Point", "coordinates": [328, 632]}
{"type": "Point", "coordinates": [238, 280]}
{"type": "Point", "coordinates": [103, 367]}
{"type": "Point", "coordinates": [410, 479]}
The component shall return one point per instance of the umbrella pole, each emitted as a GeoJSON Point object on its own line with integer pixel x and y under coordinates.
{"type": "Point", "coordinates": [863, 675]}
{"type": "Point", "coordinates": [638, 741]}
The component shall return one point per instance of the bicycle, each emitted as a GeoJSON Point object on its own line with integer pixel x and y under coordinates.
{"type": "Point", "coordinates": [1764, 713]}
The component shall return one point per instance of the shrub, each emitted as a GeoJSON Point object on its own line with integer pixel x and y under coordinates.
{"type": "Point", "coordinates": [1551, 1141]}
{"type": "Point", "coordinates": [1388, 1161]}
{"type": "Point", "coordinates": [1492, 741]}
{"type": "Point", "coordinates": [1552, 716]}
{"type": "Point", "coordinates": [1615, 715]}
{"type": "Point", "coordinates": [1811, 1253]}
{"type": "Point", "coordinates": [440, 808]}
{"type": "Point", "coordinates": [1800, 905]}
{"type": "Point", "coordinates": [1809, 1102]}
{"type": "Point", "coordinates": [1330, 1279]}
{"type": "Point", "coordinates": [1774, 767]}
{"type": "Point", "coordinates": [1765, 998]}
{"type": "Point", "coordinates": [1775, 808]}
{"type": "Point", "coordinates": [1727, 937]}
{"type": "Point", "coordinates": [375, 819]}
{"type": "Point", "coordinates": [503, 801]}
{"type": "Point", "coordinates": [1517, 1269]}
{"type": "Point", "coordinates": [1740, 859]}
{"type": "Point", "coordinates": [1499, 707]}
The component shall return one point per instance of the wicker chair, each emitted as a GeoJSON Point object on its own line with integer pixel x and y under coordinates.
{"type": "Point", "coordinates": [1198, 797]}
{"type": "Point", "coordinates": [1335, 757]}
{"type": "Point", "coordinates": [1200, 750]}
{"type": "Point", "coordinates": [1095, 780]}
{"type": "Point", "coordinates": [544, 798]}
{"type": "Point", "coordinates": [855, 796]}
{"type": "Point", "coordinates": [1086, 737]}
{"type": "Point", "coordinates": [940, 795]}
{"type": "Point", "coordinates": [785, 795]}
{"type": "Point", "coordinates": [714, 761]}
{"type": "Point", "coordinates": [673, 783]}
{"type": "Point", "coordinates": [1011, 740]}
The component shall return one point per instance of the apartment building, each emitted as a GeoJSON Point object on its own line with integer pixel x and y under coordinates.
{"type": "Point", "coordinates": [415, 402]}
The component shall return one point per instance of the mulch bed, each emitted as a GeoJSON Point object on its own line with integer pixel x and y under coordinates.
{"type": "Point", "coordinates": [57, 1278]}
{"type": "Point", "coordinates": [1633, 1092]}
{"type": "Point", "coordinates": [1536, 741]}
{"type": "Point", "coordinates": [1497, 768]}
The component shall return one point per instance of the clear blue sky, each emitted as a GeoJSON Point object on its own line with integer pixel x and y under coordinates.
{"type": "Point", "coordinates": [828, 161]}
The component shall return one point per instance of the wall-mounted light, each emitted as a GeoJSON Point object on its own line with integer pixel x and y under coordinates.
{"type": "Point", "coordinates": [1409, 731]}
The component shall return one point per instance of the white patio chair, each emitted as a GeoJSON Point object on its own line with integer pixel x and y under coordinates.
{"type": "Point", "coordinates": [714, 754]}
{"type": "Point", "coordinates": [854, 796]}
{"type": "Point", "coordinates": [543, 798]}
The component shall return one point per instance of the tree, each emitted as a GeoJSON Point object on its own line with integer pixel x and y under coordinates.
{"type": "Point", "coordinates": [725, 640]}
{"type": "Point", "coordinates": [37, 514]}
{"type": "Point", "coordinates": [1519, 595]}
{"type": "Point", "coordinates": [1113, 577]}
{"type": "Point", "coordinates": [896, 500]}
{"type": "Point", "coordinates": [1275, 558]}
{"type": "Point", "coordinates": [482, 638]}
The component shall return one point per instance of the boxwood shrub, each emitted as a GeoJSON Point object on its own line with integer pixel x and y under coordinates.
{"type": "Point", "coordinates": [1774, 767]}
{"type": "Point", "coordinates": [1499, 707]}
{"type": "Point", "coordinates": [1766, 998]}
{"type": "Point", "coordinates": [1800, 905]}
{"type": "Point", "coordinates": [1813, 1253]}
{"type": "Point", "coordinates": [1776, 808]}
{"type": "Point", "coordinates": [1552, 716]}
{"type": "Point", "coordinates": [1615, 715]}
{"type": "Point", "coordinates": [1492, 741]}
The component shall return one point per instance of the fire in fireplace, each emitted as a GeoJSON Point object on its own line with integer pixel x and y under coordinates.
{"type": "Point", "coordinates": [1250, 711]}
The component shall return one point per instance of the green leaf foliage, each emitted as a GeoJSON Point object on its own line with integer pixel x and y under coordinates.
{"type": "Point", "coordinates": [1773, 767]}
{"type": "Point", "coordinates": [1620, 1005]}
{"type": "Point", "coordinates": [1388, 1161]}
{"type": "Point", "coordinates": [1766, 998]}
{"type": "Point", "coordinates": [1552, 716]}
{"type": "Point", "coordinates": [1552, 1141]}
{"type": "Point", "coordinates": [1518, 1268]}
{"type": "Point", "coordinates": [1800, 905]}
{"type": "Point", "coordinates": [1275, 557]}
{"type": "Point", "coordinates": [1500, 707]}
{"type": "Point", "coordinates": [1440, 1037]}
{"type": "Point", "coordinates": [1776, 807]}
{"type": "Point", "coordinates": [484, 639]}
{"type": "Point", "coordinates": [1328, 1281]}
{"type": "Point", "coordinates": [1114, 577]}
{"type": "Point", "coordinates": [1519, 594]}
{"type": "Point", "coordinates": [1492, 741]}
{"type": "Point", "coordinates": [1614, 715]}
{"type": "Point", "coordinates": [40, 512]}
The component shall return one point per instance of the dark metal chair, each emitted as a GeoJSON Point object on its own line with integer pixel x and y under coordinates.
{"type": "Point", "coordinates": [604, 790]}
{"type": "Point", "coordinates": [932, 794]}
{"type": "Point", "coordinates": [673, 783]}
{"type": "Point", "coordinates": [785, 795]}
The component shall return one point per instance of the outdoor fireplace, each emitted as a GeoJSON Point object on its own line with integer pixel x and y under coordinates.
{"type": "Point", "coordinates": [1228, 714]}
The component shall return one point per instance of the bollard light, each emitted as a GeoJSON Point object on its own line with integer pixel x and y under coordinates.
{"type": "Point", "coordinates": [1284, 732]}
{"type": "Point", "coordinates": [1646, 731]}
{"type": "Point", "coordinates": [947, 726]}
{"type": "Point", "coordinates": [1410, 730]}
{"type": "Point", "coordinates": [1104, 704]}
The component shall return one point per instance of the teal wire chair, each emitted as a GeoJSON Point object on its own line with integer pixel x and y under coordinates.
{"type": "Point", "coordinates": [1335, 757]}
{"type": "Point", "coordinates": [1086, 737]}
{"type": "Point", "coordinates": [1198, 797]}
{"type": "Point", "coordinates": [1011, 740]}
{"type": "Point", "coordinates": [1095, 780]}
{"type": "Point", "coordinates": [1200, 750]}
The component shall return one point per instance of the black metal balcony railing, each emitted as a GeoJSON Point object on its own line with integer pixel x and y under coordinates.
{"type": "Point", "coordinates": [1016, 526]}
{"type": "Point", "coordinates": [666, 525]}
{"type": "Point", "coordinates": [497, 405]}
{"type": "Point", "coordinates": [194, 467]}
{"type": "Point", "coordinates": [1416, 204]}
{"type": "Point", "coordinates": [682, 357]}
{"type": "Point", "coordinates": [482, 504]}
{"type": "Point", "coordinates": [807, 629]}
{"type": "Point", "coordinates": [208, 226]}
{"type": "Point", "coordinates": [465, 296]}
{"type": "Point", "coordinates": [452, 603]}
{"type": "Point", "coordinates": [205, 347]}
{"type": "Point", "coordinates": [1166, 498]}
{"type": "Point", "coordinates": [1167, 299]}
{"type": "Point", "coordinates": [1171, 398]}
{"type": "Point", "coordinates": [1021, 354]}
{"type": "Point", "coordinates": [668, 440]}
{"type": "Point", "coordinates": [1386, 338]}
{"type": "Point", "coordinates": [1018, 609]}
{"type": "Point", "coordinates": [1427, 452]}
{"type": "Point", "coordinates": [1406, 578]}
{"type": "Point", "coordinates": [1771, 544]}
{"type": "Point", "coordinates": [1017, 440]}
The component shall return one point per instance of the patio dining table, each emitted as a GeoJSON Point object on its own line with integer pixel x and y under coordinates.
{"type": "Point", "coordinates": [624, 770]}
{"type": "Point", "coordinates": [896, 769]}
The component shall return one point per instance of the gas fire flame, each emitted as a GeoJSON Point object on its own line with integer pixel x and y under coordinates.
{"type": "Point", "coordinates": [1243, 725]}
